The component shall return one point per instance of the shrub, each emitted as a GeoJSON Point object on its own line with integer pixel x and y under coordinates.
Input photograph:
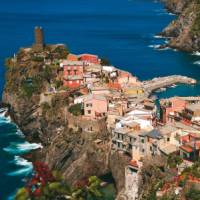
{"type": "Point", "coordinates": [76, 109]}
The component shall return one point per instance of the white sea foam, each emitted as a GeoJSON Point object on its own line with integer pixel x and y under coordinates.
{"type": "Point", "coordinates": [197, 62]}
{"type": "Point", "coordinates": [196, 53]}
{"type": "Point", "coordinates": [26, 169]}
{"type": "Point", "coordinates": [3, 118]}
{"type": "Point", "coordinates": [159, 36]}
{"type": "Point", "coordinates": [21, 161]}
{"type": "Point", "coordinates": [155, 46]}
{"type": "Point", "coordinates": [23, 171]}
{"type": "Point", "coordinates": [20, 148]}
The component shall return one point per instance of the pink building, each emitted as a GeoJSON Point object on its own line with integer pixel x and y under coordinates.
{"type": "Point", "coordinates": [170, 107]}
{"type": "Point", "coordinates": [95, 106]}
{"type": "Point", "coordinates": [94, 59]}
{"type": "Point", "coordinates": [73, 73]}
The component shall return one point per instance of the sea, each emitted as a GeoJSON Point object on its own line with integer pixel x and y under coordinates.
{"type": "Point", "coordinates": [124, 31]}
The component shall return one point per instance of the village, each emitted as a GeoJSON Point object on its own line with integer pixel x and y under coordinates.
{"type": "Point", "coordinates": [139, 126]}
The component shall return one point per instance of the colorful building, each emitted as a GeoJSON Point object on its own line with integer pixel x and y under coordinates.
{"type": "Point", "coordinates": [72, 57]}
{"type": "Point", "coordinates": [73, 73]}
{"type": "Point", "coordinates": [95, 106]}
{"type": "Point", "coordinates": [94, 59]}
{"type": "Point", "coordinates": [169, 108]}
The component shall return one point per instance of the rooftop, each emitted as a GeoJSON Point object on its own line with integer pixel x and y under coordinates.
{"type": "Point", "coordinates": [67, 62]}
{"type": "Point", "coordinates": [193, 107]}
{"type": "Point", "coordinates": [95, 96]}
{"type": "Point", "coordinates": [155, 134]}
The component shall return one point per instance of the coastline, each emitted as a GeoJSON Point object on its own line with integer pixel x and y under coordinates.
{"type": "Point", "coordinates": [31, 138]}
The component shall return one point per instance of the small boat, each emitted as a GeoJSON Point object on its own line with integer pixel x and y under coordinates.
{"type": "Point", "coordinates": [160, 90]}
{"type": "Point", "coordinates": [173, 86]}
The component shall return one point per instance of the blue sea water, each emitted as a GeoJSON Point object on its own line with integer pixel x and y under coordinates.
{"type": "Point", "coordinates": [121, 30]}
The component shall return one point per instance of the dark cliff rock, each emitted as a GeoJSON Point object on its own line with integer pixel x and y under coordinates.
{"type": "Point", "coordinates": [184, 32]}
{"type": "Point", "coordinates": [176, 6]}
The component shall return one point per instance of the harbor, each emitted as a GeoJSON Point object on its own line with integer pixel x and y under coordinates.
{"type": "Point", "coordinates": [161, 83]}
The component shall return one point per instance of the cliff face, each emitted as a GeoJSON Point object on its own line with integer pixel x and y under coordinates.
{"type": "Point", "coordinates": [184, 32]}
{"type": "Point", "coordinates": [176, 6]}
{"type": "Point", "coordinates": [68, 146]}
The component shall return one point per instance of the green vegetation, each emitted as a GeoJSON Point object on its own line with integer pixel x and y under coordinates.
{"type": "Point", "coordinates": [58, 84]}
{"type": "Point", "coordinates": [174, 160]}
{"type": "Point", "coordinates": [37, 59]}
{"type": "Point", "coordinates": [31, 86]}
{"type": "Point", "coordinates": [192, 194]}
{"type": "Point", "coordinates": [47, 185]}
{"type": "Point", "coordinates": [76, 109]}
{"type": "Point", "coordinates": [196, 25]}
{"type": "Point", "coordinates": [61, 52]}
{"type": "Point", "coordinates": [194, 170]}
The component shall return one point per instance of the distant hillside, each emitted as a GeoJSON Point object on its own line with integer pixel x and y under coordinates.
{"type": "Point", "coordinates": [184, 32]}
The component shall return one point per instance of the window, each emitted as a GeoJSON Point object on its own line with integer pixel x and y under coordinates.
{"type": "Point", "coordinates": [142, 140]}
{"type": "Point", "coordinates": [168, 139]}
{"type": "Point", "coordinates": [89, 111]}
{"type": "Point", "coordinates": [143, 150]}
{"type": "Point", "coordinates": [77, 81]}
{"type": "Point", "coordinates": [118, 135]}
{"type": "Point", "coordinates": [150, 148]}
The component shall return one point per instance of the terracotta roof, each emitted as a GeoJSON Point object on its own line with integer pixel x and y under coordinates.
{"type": "Point", "coordinates": [133, 163]}
{"type": "Point", "coordinates": [114, 86]}
{"type": "Point", "coordinates": [186, 148]}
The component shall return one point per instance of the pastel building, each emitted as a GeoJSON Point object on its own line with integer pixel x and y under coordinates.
{"type": "Point", "coordinates": [94, 59]}
{"type": "Point", "coordinates": [169, 108]}
{"type": "Point", "coordinates": [95, 106]}
{"type": "Point", "coordinates": [73, 73]}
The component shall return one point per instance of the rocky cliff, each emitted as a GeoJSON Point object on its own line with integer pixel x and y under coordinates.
{"type": "Point", "coordinates": [70, 145]}
{"type": "Point", "coordinates": [184, 32]}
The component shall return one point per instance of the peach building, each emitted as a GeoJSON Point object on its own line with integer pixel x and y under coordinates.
{"type": "Point", "coordinates": [170, 107]}
{"type": "Point", "coordinates": [95, 106]}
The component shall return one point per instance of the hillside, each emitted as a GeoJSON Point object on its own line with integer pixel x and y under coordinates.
{"type": "Point", "coordinates": [184, 32]}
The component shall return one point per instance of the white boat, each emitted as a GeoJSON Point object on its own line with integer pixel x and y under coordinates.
{"type": "Point", "coordinates": [173, 86]}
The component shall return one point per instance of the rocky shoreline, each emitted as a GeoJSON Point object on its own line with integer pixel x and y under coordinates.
{"type": "Point", "coordinates": [68, 147]}
{"type": "Point", "coordinates": [183, 32]}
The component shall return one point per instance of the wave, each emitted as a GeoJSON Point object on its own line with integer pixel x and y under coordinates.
{"type": "Point", "coordinates": [196, 62]}
{"type": "Point", "coordinates": [4, 119]}
{"type": "Point", "coordinates": [19, 133]}
{"type": "Point", "coordinates": [20, 148]}
{"type": "Point", "coordinates": [196, 53]}
{"type": "Point", "coordinates": [159, 47]}
{"type": "Point", "coordinates": [155, 46]}
{"type": "Point", "coordinates": [159, 37]}
{"type": "Point", "coordinates": [26, 169]}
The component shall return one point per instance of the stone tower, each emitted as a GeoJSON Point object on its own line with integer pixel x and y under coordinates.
{"type": "Point", "coordinates": [39, 39]}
